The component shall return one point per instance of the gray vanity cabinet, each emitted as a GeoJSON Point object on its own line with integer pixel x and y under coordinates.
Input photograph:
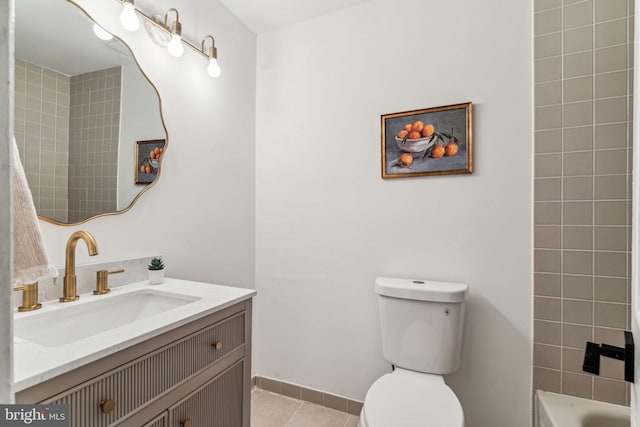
{"type": "Point", "coordinates": [195, 375]}
{"type": "Point", "coordinates": [217, 404]}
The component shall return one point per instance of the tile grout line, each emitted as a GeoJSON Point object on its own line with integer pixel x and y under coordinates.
{"type": "Point", "coordinates": [294, 412]}
{"type": "Point", "coordinates": [562, 142]}
{"type": "Point", "coordinates": [554, 153]}
{"type": "Point", "coordinates": [579, 126]}
{"type": "Point", "coordinates": [593, 24]}
{"type": "Point", "coordinates": [301, 403]}
{"type": "Point", "coordinates": [279, 392]}
{"type": "Point", "coordinates": [629, 196]}
{"type": "Point", "coordinates": [593, 188]}
{"type": "Point", "coordinates": [593, 99]}
{"type": "Point", "coordinates": [577, 52]}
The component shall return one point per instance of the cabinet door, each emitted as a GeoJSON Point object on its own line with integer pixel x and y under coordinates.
{"type": "Point", "coordinates": [216, 404]}
{"type": "Point", "coordinates": [134, 384]}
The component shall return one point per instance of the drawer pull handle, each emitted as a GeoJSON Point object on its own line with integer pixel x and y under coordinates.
{"type": "Point", "coordinates": [107, 405]}
{"type": "Point", "coordinates": [217, 345]}
{"type": "Point", "coordinates": [186, 423]}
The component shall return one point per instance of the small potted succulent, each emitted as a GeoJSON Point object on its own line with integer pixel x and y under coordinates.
{"type": "Point", "coordinates": [156, 271]}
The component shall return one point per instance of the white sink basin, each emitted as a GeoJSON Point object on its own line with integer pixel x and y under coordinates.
{"type": "Point", "coordinates": [73, 322]}
{"type": "Point", "coordinates": [64, 336]}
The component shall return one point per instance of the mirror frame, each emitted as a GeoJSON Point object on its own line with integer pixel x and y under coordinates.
{"type": "Point", "coordinates": [164, 126]}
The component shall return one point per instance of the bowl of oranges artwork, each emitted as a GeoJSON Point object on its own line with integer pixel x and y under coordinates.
{"type": "Point", "coordinates": [429, 141]}
{"type": "Point", "coordinates": [416, 137]}
{"type": "Point", "coordinates": [148, 158]}
{"type": "Point", "coordinates": [151, 163]}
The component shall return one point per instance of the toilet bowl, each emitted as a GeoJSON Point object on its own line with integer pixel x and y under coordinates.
{"type": "Point", "coordinates": [421, 324]}
{"type": "Point", "coordinates": [406, 398]}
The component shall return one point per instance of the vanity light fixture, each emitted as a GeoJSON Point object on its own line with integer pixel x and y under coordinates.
{"type": "Point", "coordinates": [175, 44]}
{"type": "Point", "coordinates": [213, 69]}
{"type": "Point", "coordinates": [128, 17]}
{"type": "Point", "coordinates": [101, 33]}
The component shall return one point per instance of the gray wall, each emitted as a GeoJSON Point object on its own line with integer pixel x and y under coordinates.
{"type": "Point", "coordinates": [583, 88]}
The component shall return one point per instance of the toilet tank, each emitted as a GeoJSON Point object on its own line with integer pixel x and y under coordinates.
{"type": "Point", "coordinates": [421, 323]}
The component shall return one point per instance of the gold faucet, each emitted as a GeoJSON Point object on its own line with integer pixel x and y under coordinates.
{"type": "Point", "coordinates": [102, 281]}
{"type": "Point", "coordinates": [29, 297]}
{"type": "Point", "coordinates": [69, 282]}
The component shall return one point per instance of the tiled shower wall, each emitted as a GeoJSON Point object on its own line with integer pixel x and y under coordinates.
{"type": "Point", "coordinates": [583, 75]}
{"type": "Point", "coordinates": [93, 143]}
{"type": "Point", "coordinates": [42, 133]}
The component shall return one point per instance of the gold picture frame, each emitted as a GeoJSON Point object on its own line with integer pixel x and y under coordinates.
{"type": "Point", "coordinates": [149, 155]}
{"type": "Point", "coordinates": [430, 141]}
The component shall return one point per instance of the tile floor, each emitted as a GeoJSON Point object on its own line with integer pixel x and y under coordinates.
{"type": "Point", "coordinates": [274, 410]}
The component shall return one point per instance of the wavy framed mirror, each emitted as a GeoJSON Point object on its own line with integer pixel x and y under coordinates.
{"type": "Point", "coordinates": [82, 104]}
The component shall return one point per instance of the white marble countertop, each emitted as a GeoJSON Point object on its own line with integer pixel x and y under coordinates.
{"type": "Point", "coordinates": [35, 363]}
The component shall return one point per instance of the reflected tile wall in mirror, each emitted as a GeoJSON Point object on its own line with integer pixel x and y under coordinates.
{"type": "Point", "coordinates": [67, 130]}
{"type": "Point", "coordinates": [93, 140]}
{"type": "Point", "coordinates": [41, 130]}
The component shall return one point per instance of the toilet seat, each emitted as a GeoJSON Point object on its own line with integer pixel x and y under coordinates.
{"type": "Point", "coordinates": [411, 399]}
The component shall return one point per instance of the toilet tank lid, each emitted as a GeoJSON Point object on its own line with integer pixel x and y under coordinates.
{"type": "Point", "coordinates": [423, 290]}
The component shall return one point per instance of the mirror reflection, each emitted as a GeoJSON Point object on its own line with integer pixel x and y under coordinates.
{"type": "Point", "coordinates": [81, 105]}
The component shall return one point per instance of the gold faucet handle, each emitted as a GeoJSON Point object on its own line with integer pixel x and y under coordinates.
{"type": "Point", "coordinates": [29, 297]}
{"type": "Point", "coordinates": [102, 281]}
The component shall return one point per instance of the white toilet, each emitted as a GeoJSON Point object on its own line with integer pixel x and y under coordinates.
{"type": "Point", "coordinates": [422, 338]}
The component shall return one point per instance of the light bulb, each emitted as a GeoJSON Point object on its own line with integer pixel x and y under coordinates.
{"type": "Point", "coordinates": [101, 33]}
{"type": "Point", "coordinates": [175, 46]}
{"type": "Point", "coordinates": [213, 69]}
{"type": "Point", "coordinates": [128, 17]}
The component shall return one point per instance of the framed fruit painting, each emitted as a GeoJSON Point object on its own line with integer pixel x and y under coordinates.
{"type": "Point", "coordinates": [431, 141]}
{"type": "Point", "coordinates": [148, 157]}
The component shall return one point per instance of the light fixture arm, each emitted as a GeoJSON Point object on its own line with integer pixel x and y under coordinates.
{"type": "Point", "coordinates": [176, 27]}
{"type": "Point", "coordinates": [213, 51]}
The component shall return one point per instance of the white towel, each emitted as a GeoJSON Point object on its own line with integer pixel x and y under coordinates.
{"type": "Point", "coordinates": [30, 260]}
